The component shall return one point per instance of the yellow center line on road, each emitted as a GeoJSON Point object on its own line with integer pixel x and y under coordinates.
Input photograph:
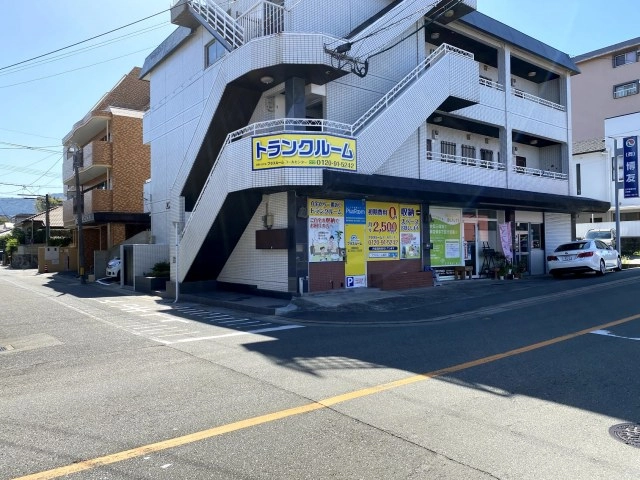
{"type": "Point", "coordinates": [290, 412]}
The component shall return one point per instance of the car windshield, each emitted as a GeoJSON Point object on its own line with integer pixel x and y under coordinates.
{"type": "Point", "coordinates": [573, 246]}
{"type": "Point", "coordinates": [598, 235]}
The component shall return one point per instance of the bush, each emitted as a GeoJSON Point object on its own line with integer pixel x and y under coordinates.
{"type": "Point", "coordinates": [160, 269]}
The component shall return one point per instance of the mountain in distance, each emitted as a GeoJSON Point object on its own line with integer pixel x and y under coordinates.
{"type": "Point", "coordinates": [10, 207]}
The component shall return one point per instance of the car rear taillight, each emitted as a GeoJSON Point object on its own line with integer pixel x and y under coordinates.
{"type": "Point", "coordinates": [585, 254]}
{"type": "Point", "coordinates": [551, 258]}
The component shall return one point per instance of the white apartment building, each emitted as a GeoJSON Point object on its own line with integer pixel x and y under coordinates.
{"type": "Point", "coordinates": [324, 144]}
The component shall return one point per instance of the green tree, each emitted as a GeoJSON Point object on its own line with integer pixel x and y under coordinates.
{"type": "Point", "coordinates": [11, 246]}
{"type": "Point", "coordinates": [41, 204]}
{"type": "Point", "coordinates": [19, 235]}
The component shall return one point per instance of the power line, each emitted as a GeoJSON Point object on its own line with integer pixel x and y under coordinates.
{"type": "Point", "coordinates": [83, 41]}
{"type": "Point", "coordinates": [75, 69]}
{"type": "Point", "coordinates": [82, 50]}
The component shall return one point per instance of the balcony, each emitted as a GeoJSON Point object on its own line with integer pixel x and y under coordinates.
{"type": "Point", "coordinates": [98, 201]}
{"type": "Point", "coordinates": [97, 158]}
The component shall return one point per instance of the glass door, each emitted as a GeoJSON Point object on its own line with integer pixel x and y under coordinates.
{"type": "Point", "coordinates": [469, 244]}
{"type": "Point", "coordinates": [523, 247]}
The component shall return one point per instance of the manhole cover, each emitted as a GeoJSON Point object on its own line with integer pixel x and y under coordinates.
{"type": "Point", "coordinates": [628, 433]}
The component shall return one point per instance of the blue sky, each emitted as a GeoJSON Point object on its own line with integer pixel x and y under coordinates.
{"type": "Point", "coordinates": [40, 101]}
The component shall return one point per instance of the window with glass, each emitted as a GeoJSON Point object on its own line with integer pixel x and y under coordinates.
{"type": "Point", "coordinates": [625, 58]}
{"type": "Point", "coordinates": [448, 151]}
{"type": "Point", "coordinates": [625, 89]}
{"type": "Point", "coordinates": [214, 51]}
{"type": "Point", "coordinates": [468, 151]}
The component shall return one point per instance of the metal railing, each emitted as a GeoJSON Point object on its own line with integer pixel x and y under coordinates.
{"type": "Point", "coordinates": [536, 172]}
{"type": "Point", "coordinates": [532, 98]}
{"type": "Point", "coordinates": [224, 24]}
{"type": "Point", "coordinates": [465, 161]}
{"type": "Point", "coordinates": [491, 84]}
{"type": "Point", "coordinates": [411, 77]}
{"type": "Point", "coordinates": [290, 125]}
{"type": "Point", "coordinates": [263, 18]}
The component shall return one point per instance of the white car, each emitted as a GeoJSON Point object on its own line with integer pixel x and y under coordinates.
{"type": "Point", "coordinates": [583, 256]}
{"type": "Point", "coordinates": [113, 267]}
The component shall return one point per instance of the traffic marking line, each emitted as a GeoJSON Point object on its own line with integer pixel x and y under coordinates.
{"type": "Point", "coordinates": [310, 407]}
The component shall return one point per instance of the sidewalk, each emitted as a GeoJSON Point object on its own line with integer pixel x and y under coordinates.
{"type": "Point", "coordinates": [361, 304]}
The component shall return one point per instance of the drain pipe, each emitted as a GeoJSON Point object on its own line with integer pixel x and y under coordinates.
{"type": "Point", "coordinates": [177, 225]}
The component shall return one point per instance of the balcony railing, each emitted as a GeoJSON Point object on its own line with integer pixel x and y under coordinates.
{"type": "Point", "coordinates": [465, 161]}
{"type": "Point", "coordinates": [491, 84]}
{"type": "Point", "coordinates": [536, 172]}
{"type": "Point", "coordinates": [532, 98]}
{"type": "Point", "coordinates": [290, 125]}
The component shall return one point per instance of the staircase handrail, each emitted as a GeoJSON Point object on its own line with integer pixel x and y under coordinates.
{"type": "Point", "coordinates": [409, 78]}
{"type": "Point", "coordinates": [221, 21]}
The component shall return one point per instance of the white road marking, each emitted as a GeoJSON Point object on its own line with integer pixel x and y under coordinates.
{"type": "Point", "coordinates": [234, 334]}
{"type": "Point", "coordinates": [607, 333]}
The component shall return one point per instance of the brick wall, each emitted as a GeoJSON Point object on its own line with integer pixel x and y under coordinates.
{"type": "Point", "coordinates": [326, 276]}
{"type": "Point", "coordinates": [131, 164]}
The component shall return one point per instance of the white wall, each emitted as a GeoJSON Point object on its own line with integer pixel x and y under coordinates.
{"type": "Point", "coordinates": [267, 269]}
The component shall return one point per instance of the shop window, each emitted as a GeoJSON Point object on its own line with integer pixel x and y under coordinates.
{"type": "Point", "coordinates": [521, 161]}
{"type": "Point", "coordinates": [429, 149]}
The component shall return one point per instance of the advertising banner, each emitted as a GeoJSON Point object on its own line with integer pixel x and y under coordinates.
{"type": "Point", "coordinates": [383, 240]}
{"type": "Point", "coordinates": [309, 150]}
{"type": "Point", "coordinates": [505, 240]}
{"type": "Point", "coordinates": [355, 220]}
{"type": "Point", "coordinates": [326, 230]}
{"type": "Point", "coordinates": [409, 231]}
{"type": "Point", "coordinates": [446, 237]}
{"type": "Point", "coordinates": [630, 145]}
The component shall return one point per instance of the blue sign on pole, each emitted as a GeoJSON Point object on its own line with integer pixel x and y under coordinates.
{"type": "Point", "coordinates": [630, 167]}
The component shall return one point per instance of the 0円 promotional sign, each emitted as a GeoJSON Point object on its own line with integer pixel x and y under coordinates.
{"type": "Point", "coordinates": [306, 150]}
{"type": "Point", "coordinates": [630, 149]}
{"type": "Point", "coordinates": [446, 237]}
{"type": "Point", "coordinates": [326, 230]}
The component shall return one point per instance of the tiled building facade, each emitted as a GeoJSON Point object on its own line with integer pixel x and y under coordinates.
{"type": "Point", "coordinates": [114, 164]}
{"type": "Point", "coordinates": [335, 144]}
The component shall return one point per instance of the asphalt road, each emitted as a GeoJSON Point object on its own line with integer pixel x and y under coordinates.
{"type": "Point", "coordinates": [104, 384]}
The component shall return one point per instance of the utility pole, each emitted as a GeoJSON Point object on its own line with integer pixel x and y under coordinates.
{"type": "Point", "coordinates": [47, 230]}
{"type": "Point", "coordinates": [79, 209]}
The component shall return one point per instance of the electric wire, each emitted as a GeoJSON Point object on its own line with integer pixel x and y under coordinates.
{"type": "Point", "coordinates": [38, 63]}
{"type": "Point", "coordinates": [75, 69]}
{"type": "Point", "coordinates": [82, 41]}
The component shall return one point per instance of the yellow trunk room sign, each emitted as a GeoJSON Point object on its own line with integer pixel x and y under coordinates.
{"type": "Point", "coordinates": [306, 150]}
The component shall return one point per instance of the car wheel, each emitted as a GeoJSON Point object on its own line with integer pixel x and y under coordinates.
{"type": "Point", "coordinates": [556, 274]}
{"type": "Point", "coordinates": [619, 265]}
{"type": "Point", "coordinates": [603, 268]}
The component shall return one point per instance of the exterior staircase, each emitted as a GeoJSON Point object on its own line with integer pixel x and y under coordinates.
{"type": "Point", "coordinates": [446, 79]}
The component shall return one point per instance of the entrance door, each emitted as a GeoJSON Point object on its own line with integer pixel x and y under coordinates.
{"type": "Point", "coordinates": [523, 246]}
{"type": "Point", "coordinates": [470, 248]}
